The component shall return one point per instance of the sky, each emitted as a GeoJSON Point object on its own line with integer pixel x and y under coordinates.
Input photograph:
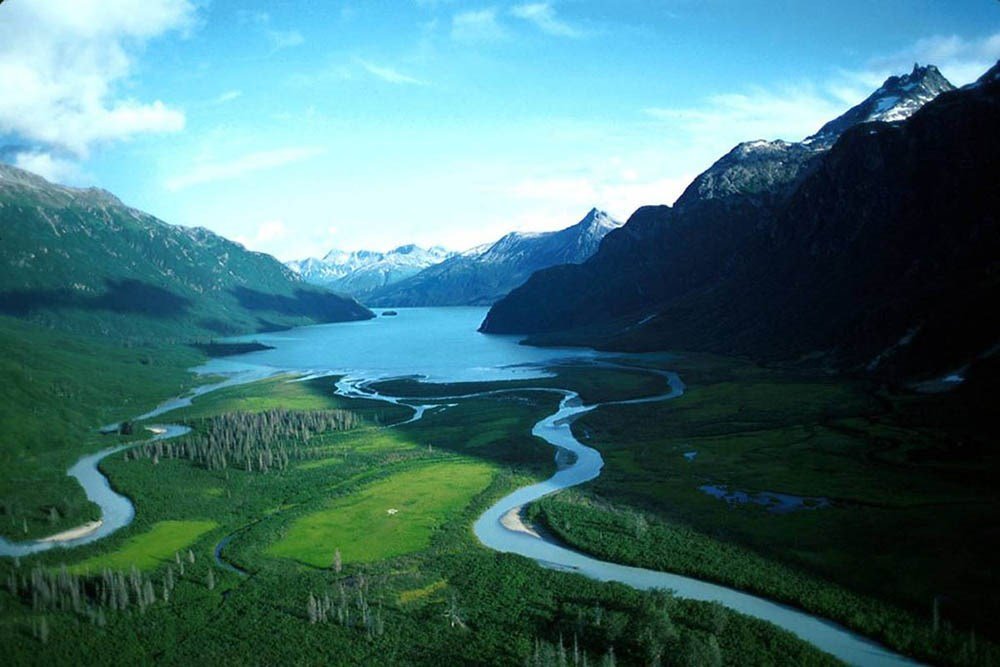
{"type": "Point", "coordinates": [298, 126]}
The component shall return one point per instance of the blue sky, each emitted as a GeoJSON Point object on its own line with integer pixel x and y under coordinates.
{"type": "Point", "coordinates": [299, 126]}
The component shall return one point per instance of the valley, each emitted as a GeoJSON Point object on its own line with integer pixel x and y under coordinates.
{"type": "Point", "coordinates": [379, 395]}
{"type": "Point", "coordinates": [313, 516]}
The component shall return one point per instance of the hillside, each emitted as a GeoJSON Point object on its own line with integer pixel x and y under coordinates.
{"type": "Point", "coordinates": [82, 261]}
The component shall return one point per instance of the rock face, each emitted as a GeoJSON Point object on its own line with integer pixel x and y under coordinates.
{"type": "Point", "coordinates": [361, 272]}
{"type": "Point", "coordinates": [80, 259]}
{"type": "Point", "coordinates": [870, 246]}
{"type": "Point", "coordinates": [484, 274]}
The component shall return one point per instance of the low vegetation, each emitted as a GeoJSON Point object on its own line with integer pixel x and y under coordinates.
{"type": "Point", "coordinates": [417, 591]}
{"type": "Point", "coordinates": [903, 480]}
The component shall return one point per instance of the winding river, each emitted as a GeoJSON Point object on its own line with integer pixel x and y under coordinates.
{"type": "Point", "coordinates": [456, 355]}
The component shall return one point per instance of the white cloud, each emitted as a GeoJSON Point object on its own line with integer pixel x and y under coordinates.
{"type": "Point", "coordinates": [65, 60]}
{"type": "Point", "coordinates": [543, 16]}
{"type": "Point", "coordinates": [267, 232]}
{"type": "Point", "coordinates": [389, 74]}
{"type": "Point", "coordinates": [223, 171]}
{"type": "Point", "coordinates": [790, 113]}
{"type": "Point", "coordinates": [47, 166]}
{"type": "Point", "coordinates": [477, 26]}
{"type": "Point", "coordinates": [961, 60]}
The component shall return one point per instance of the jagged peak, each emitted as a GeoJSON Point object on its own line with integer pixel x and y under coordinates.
{"type": "Point", "coordinates": [898, 98]}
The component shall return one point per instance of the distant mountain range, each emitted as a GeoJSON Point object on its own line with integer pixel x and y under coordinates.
{"type": "Point", "coordinates": [361, 272]}
{"type": "Point", "coordinates": [484, 274]}
{"type": "Point", "coordinates": [413, 276]}
{"type": "Point", "coordinates": [872, 245]}
{"type": "Point", "coordinates": [81, 260]}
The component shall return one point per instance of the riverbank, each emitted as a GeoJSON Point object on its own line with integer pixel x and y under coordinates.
{"type": "Point", "coordinates": [513, 520]}
{"type": "Point", "coordinates": [74, 533]}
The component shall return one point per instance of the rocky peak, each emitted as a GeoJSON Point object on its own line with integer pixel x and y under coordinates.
{"type": "Point", "coordinates": [897, 99]}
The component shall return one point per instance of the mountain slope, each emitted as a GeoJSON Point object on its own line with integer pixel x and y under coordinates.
{"type": "Point", "coordinates": [360, 272]}
{"type": "Point", "coordinates": [879, 248]}
{"type": "Point", "coordinates": [81, 260]}
{"type": "Point", "coordinates": [484, 274]}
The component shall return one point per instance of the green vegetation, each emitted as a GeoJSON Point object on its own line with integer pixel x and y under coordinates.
{"type": "Point", "coordinates": [286, 392]}
{"type": "Point", "coordinates": [83, 262]}
{"type": "Point", "coordinates": [148, 550]}
{"type": "Point", "coordinates": [57, 391]}
{"type": "Point", "coordinates": [910, 497]}
{"type": "Point", "coordinates": [393, 516]}
{"type": "Point", "coordinates": [250, 441]}
{"type": "Point", "coordinates": [446, 600]}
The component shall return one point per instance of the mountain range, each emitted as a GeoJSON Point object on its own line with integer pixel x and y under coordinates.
{"type": "Point", "coordinates": [871, 245]}
{"type": "Point", "coordinates": [486, 273]}
{"type": "Point", "coordinates": [81, 260]}
{"type": "Point", "coordinates": [361, 272]}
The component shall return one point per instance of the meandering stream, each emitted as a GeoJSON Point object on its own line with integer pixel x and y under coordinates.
{"type": "Point", "coordinates": [117, 511]}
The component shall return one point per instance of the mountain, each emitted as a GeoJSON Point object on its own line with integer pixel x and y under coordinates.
{"type": "Point", "coordinates": [81, 260]}
{"type": "Point", "coordinates": [360, 272]}
{"type": "Point", "coordinates": [483, 274]}
{"type": "Point", "coordinates": [876, 253]}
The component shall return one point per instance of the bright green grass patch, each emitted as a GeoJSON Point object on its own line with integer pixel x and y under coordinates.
{"type": "Point", "coordinates": [363, 527]}
{"type": "Point", "coordinates": [150, 549]}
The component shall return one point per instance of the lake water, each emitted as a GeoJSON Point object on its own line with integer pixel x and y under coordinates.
{"type": "Point", "coordinates": [440, 344]}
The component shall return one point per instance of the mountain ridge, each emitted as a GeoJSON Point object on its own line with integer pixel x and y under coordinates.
{"type": "Point", "coordinates": [483, 274]}
{"type": "Point", "coordinates": [81, 260]}
{"type": "Point", "coordinates": [695, 276]}
{"type": "Point", "coordinates": [360, 272]}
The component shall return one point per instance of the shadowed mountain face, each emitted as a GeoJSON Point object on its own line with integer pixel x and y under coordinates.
{"type": "Point", "coordinates": [878, 253]}
{"type": "Point", "coordinates": [83, 261]}
{"type": "Point", "coordinates": [479, 277]}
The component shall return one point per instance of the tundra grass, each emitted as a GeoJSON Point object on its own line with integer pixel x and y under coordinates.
{"type": "Point", "coordinates": [393, 516]}
{"type": "Point", "coordinates": [148, 550]}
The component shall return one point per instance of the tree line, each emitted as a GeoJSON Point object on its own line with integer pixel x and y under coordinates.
{"type": "Point", "coordinates": [251, 441]}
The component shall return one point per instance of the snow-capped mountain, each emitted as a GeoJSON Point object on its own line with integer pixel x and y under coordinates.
{"type": "Point", "coordinates": [362, 271]}
{"type": "Point", "coordinates": [483, 274]}
{"type": "Point", "coordinates": [897, 99]}
{"type": "Point", "coordinates": [763, 167]}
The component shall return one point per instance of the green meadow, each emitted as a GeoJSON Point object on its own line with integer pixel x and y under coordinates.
{"type": "Point", "coordinates": [150, 549]}
{"type": "Point", "coordinates": [393, 516]}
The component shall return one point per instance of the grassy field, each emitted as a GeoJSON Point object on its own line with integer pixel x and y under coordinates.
{"type": "Point", "coordinates": [393, 516]}
{"type": "Point", "coordinates": [149, 550]}
{"type": "Point", "coordinates": [57, 391]}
